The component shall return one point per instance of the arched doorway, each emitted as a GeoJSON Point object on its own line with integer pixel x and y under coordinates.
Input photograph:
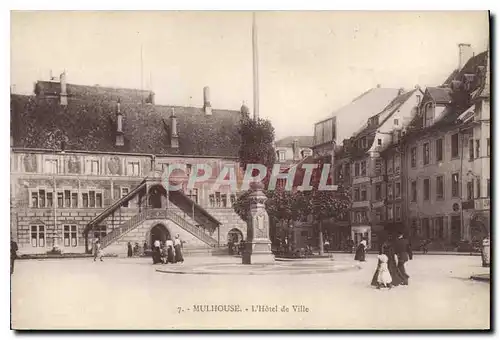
{"type": "Point", "coordinates": [155, 194]}
{"type": "Point", "coordinates": [234, 235]}
{"type": "Point", "coordinates": [158, 232]}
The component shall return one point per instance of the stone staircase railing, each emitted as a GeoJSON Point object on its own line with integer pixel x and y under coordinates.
{"type": "Point", "coordinates": [135, 220]}
{"type": "Point", "coordinates": [124, 228]}
{"type": "Point", "coordinates": [196, 231]}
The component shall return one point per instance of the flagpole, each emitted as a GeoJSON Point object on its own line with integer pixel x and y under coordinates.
{"type": "Point", "coordinates": [255, 70]}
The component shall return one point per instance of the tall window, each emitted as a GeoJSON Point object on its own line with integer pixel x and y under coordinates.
{"type": "Point", "coordinates": [38, 236]}
{"type": "Point", "coordinates": [429, 114]}
{"type": "Point", "coordinates": [92, 167]}
{"type": "Point", "coordinates": [390, 213]}
{"type": "Point", "coordinates": [478, 185]}
{"type": "Point", "coordinates": [347, 170]}
{"type": "Point", "coordinates": [193, 194]}
{"type": "Point", "coordinates": [413, 191]}
{"type": "Point", "coordinates": [439, 149]}
{"type": "Point", "coordinates": [215, 200]}
{"type": "Point", "coordinates": [389, 191]}
{"type": "Point", "coordinates": [471, 149]}
{"type": "Point", "coordinates": [397, 163]}
{"type": "Point", "coordinates": [397, 212]}
{"type": "Point", "coordinates": [356, 194]}
{"type": "Point", "coordinates": [414, 157]}
{"type": "Point", "coordinates": [488, 187]}
{"type": "Point", "coordinates": [124, 192]}
{"type": "Point", "coordinates": [439, 187]}
{"type": "Point", "coordinates": [488, 147]}
{"type": "Point", "coordinates": [425, 227]}
{"type": "Point", "coordinates": [439, 227]}
{"type": "Point", "coordinates": [363, 194]}
{"type": "Point", "coordinates": [74, 200]}
{"type": "Point", "coordinates": [60, 200]}
{"type": "Point", "coordinates": [378, 192]}
{"type": "Point", "coordinates": [363, 168]}
{"type": "Point", "coordinates": [378, 167]}
{"type": "Point", "coordinates": [70, 236]}
{"type": "Point", "coordinates": [281, 155]}
{"type": "Point", "coordinates": [133, 168]}
{"type": "Point", "coordinates": [454, 145]}
{"type": "Point", "coordinates": [397, 190]}
{"type": "Point", "coordinates": [92, 199]}
{"type": "Point", "coordinates": [478, 148]}
{"type": "Point", "coordinates": [41, 198]}
{"type": "Point", "coordinates": [427, 189]}
{"type": "Point", "coordinates": [223, 200]}
{"type": "Point", "coordinates": [454, 185]}
{"type": "Point", "coordinates": [426, 153]}
{"type": "Point", "coordinates": [233, 199]}
{"type": "Point", "coordinates": [51, 166]}
{"type": "Point", "coordinates": [470, 190]}
{"type": "Point", "coordinates": [356, 169]}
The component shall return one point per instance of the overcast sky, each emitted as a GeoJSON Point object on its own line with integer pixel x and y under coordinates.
{"type": "Point", "coordinates": [311, 63]}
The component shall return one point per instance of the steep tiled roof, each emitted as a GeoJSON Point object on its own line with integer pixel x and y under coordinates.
{"type": "Point", "coordinates": [52, 88]}
{"type": "Point", "coordinates": [355, 114]}
{"type": "Point", "coordinates": [460, 99]}
{"type": "Point", "coordinates": [89, 123]}
{"type": "Point", "coordinates": [303, 141]}
{"type": "Point", "coordinates": [387, 113]}
{"type": "Point", "coordinates": [441, 95]}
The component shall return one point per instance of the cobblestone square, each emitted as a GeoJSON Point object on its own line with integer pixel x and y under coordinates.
{"type": "Point", "coordinates": [130, 294]}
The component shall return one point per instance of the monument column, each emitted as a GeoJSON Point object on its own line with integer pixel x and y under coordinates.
{"type": "Point", "coordinates": [258, 245]}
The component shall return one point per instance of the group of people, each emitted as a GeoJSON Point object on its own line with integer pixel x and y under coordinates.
{"type": "Point", "coordinates": [393, 254]}
{"type": "Point", "coordinates": [169, 251]}
{"type": "Point", "coordinates": [135, 251]}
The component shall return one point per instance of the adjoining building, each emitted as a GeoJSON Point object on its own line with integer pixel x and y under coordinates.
{"type": "Point", "coordinates": [87, 163]}
{"type": "Point", "coordinates": [447, 160]}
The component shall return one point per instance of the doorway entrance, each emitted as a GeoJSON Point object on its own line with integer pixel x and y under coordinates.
{"type": "Point", "coordinates": [159, 232]}
{"type": "Point", "coordinates": [155, 194]}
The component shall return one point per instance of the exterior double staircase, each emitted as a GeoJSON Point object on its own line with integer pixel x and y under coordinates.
{"type": "Point", "coordinates": [178, 199]}
{"type": "Point", "coordinates": [136, 220]}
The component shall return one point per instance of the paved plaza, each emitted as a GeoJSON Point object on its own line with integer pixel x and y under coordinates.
{"type": "Point", "coordinates": [131, 294]}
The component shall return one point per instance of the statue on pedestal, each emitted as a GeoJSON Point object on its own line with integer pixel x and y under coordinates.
{"type": "Point", "coordinates": [258, 245]}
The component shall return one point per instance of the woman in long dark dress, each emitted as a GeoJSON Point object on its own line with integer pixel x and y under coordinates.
{"type": "Point", "coordinates": [178, 250]}
{"type": "Point", "coordinates": [397, 277]}
{"type": "Point", "coordinates": [170, 251]}
{"type": "Point", "coordinates": [129, 251]}
{"type": "Point", "coordinates": [360, 251]}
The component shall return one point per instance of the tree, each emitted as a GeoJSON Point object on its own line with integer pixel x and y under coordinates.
{"type": "Point", "coordinates": [327, 205]}
{"type": "Point", "coordinates": [257, 137]}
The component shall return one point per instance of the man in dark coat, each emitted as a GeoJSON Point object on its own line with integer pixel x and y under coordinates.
{"type": "Point", "coordinates": [13, 255]}
{"type": "Point", "coordinates": [401, 250]}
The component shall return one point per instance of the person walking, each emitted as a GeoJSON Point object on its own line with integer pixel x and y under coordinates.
{"type": "Point", "coordinates": [13, 255]}
{"type": "Point", "coordinates": [360, 251]}
{"type": "Point", "coordinates": [170, 251]}
{"type": "Point", "coordinates": [178, 249]}
{"type": "Point", "coordinates": [97, 250]}
{"type": "Point", "coordinates": [156, 252]}
{"type": "Point", "coordinates": [129, 250]}
{"type": "Point", "coordinates": [401, 250]}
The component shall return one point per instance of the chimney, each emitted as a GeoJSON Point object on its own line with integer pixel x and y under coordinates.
{"type": "Point", "coordinates": [401, 91]}
{"type": "Point", "coordinates": [174, 137]}
{"type": "Point", "coordinates": [206, 101]}
{"type": "Point", "coordinates": [119, 125]}
{"type": "Point", "coordinates": [64, 93]}
{"type": "Point", "coordinates": [296, 150]}
{"type": "Point", "coordinates": [464, 54]}
{"type": "Point", "coordinates": [244, 110]}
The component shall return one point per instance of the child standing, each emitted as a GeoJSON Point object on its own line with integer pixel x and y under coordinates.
{"type": "Point", "coordinates": [384, 276]}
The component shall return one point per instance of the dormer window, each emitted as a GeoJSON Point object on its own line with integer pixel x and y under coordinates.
{"type": "Point", "coordinates": [396, 121]}
{"type": "Point", "coordinates": [379, 141]}
{"type": "Point", "coordinates": [428, 114]}
{"type": "Point", "coordinates": [363, 142]}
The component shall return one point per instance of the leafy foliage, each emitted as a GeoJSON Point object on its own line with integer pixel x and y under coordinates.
{"type": "Point", "coordinates": [257, 137]}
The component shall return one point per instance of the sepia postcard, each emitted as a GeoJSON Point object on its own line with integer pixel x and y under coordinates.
{"type": "Point", "coordinates": [249, 170]}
